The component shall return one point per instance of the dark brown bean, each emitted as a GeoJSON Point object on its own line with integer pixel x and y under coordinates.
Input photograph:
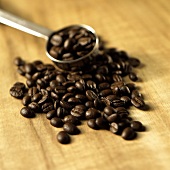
{"type": "Point", "coordinates": [128, 133]}
{"type": "Point", "coordinates": [16, 92]}
{"type": "Point", "coordinates": [92, 124]}
{"type": "Point", "coordinates": [27, 112]}
{"type": "Point", "coordinates": [63, 137]}
{"type": "Point", "coordinates": [51, 114]}
{"type": "Point", "coordinates": [56, 122]}
{"type": "Point", "coordinates": [71, 129]}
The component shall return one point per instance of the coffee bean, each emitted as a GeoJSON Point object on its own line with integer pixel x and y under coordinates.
{"type": "Point", "coordinates": [108, 110]}
{"type": "Point", "coordinates": [56, 122]}
{"type": "Point", "coordinates": [135, 93]}
{"type": "Point", "coordinates": [137, 102]}
{"type": "Point", "coordinates": [30, 68]}
{"type": "Point", "coordinates": [80, 86]}
{"type": "Point", "coordinates": [32, 91]}
{"type": "Point", "coordinates": [51, 114]}
{"type": "Point", "coordinates": [98, 104]}
{"type": "Point", "coordinates": [105, 92]}
{"type": "Point", "coordinates": [81, 97]}
{"type": "Point", "coordinates": [16, 92]}
{"type": "Point", "coordinates": [18, 61]}
{"type": "Point", "coordinates": [34, 106]}
{"type": "Point", "coordinates": [60, 78]}
{"type": "Point", "coordinates": [133, 76]}
{"type": "Point", "coordinates": [44, 99]}
{"type": "Point", "coordinates": [78, 111]}
{"type": "Point", "coordinates": [36, 97]}
{"type": "Point", "coordinates": [65, 105]}
{"type": "Point", "coordinates": [61, 112]}
{"type": "Point", "coordinates": [92, 124]}
{"type": "Point", "coordinates": [27, 112]}
{"type": "Point", "coordinates": [137, 126]}
{"type": "Point", "coordinates": [128, 133]}
{"type": "Point", "coordinates": [56, 40]}
{"type": "Point", "coordinates": [134, 62]}
{"type": "Point", "coordinates": [20, 85]}
{"type": "Point", "coordinates": [92, 113]}
{"type": "Point", "coordinates": [91, 84]}
{"type": "Point", "coordinates": [91, 95]}
{"type": "Point", "coordinates": [71, 129]}
{"type": "Point", "coordinates": [74, 101]}
{"type": "Point", "coordinates": [46, 107]}
{"type": "Point", "coordinates": [72, 119]}
{"type": "Point", "coordinates": [101, 122]}
{"type": "Point", "coordinates": [113, 118]}
{"type": "Point", "coordinates": [67, 96]}
{"type": "Point", "coordinates": [114, 127]}
{"type": "Point", "coordinates": [103, 86]}
{"type": "Point", "coordinates": [63, 137]}
{"type": "Point", "coordinates": [89, 104]}
{"type": "Point", "coordinates": [26, 100]}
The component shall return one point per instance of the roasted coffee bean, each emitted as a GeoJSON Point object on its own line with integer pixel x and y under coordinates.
{"type": "Point", "coordinates": [65, 105]}
{"type": "Point", "coordinates": [92, 124]}
{"type": "Point", "coordinates": [101, 123]}
{"type": "Point", "coordinates": [134, 61]}
{"type": "Point", "coordinates": [105, 92]}
{"type": "Point", "coordinates": [128, 133]}
{"type": "Point", "coordinates": [30, 82]}
{"type": "Point", "coordinates": [120, 110]}
{"type": "Point", "coordinates": [137, 102]}
{"type": "Point", "coordinates": [56, 122]}
{"type": "Point", "coordinates": [92, 113]}
{"type": "Point", "coordinates": [124, 90]}
{"type": "Point", "coordinates": [81, 97]}
{"type": "Point", "coordinates": [137, 126]}
{"type": "Point", "coordinates": [36, 76]}
{"type": "Point", "coordinates": [117, 103]}
{"type": "Point", "coordinates": [117, 78]}
{"type": "Point", "coordinates": [74, 101]}
{"type": "Point", "coordinates": [61, 112]}
{"type": "Point", "coordinates": [114, 127]}
{"type": "Point", "coordinates": [44, 99]}
{"type": "Point", "coordinates": [103, 86]}
{"type": "Point", "coordinates": [51, 114]}
{"type": "Point", "coordinates": [54, 83]}
{"type": "Point", "coordinates": [18, 61]}
{"type": "Point", "coordinates": [30, 68]}
{"type": "Point", "coordinates": [111, 97]}
{"type": "Point", "coordinates": [60, 78]}
{"type": "Point", "coordinates": [89, 104]}
{"type": "Point", "coordinates": [73, 77]}
{"type": "Point", "coordinates": [71, 129]}
{"type": "Point", "coordinates": [67, 96]}
{"type": "Point", "coordinates": [60, 90]}
{"type": "Point", "coordinates": [133, 76]}
{"type": "Point", "coordinates": [91, 84]}
{"type": "Point", "coordinates": [20, 85]}
{"type": "Point", "coordinates": [56, 40]}
{"type": "Point", "coordinates": [16, 92]}
{"type": "Point", "coordinates": [32, 91]}
{"type": "Point", "coordinates": [100, 77]}
{"type": "Point", "coordinates": [54, 95]}
{"type": "Point", "coordinates": [108, 110]}
{"type": "Point", "coordinates": [63, 137]}
{"type": "Point", "coordinates": [56, 104]}
{"type": "Point", "coordinates": [36, 97]}
{"type": "Point", "coordinates": [28, 76]}
{"type": "Point", "coordinates": [34, 106]}
{"type": "Point", "coordinates": [80, 86]}
{"type": "Point", "coordinates": [91, 95]}
{"type": "Point", "coordinates": [46, 107]}
{"type": "Point", "coordinates": [42, 83]}
{"type": "Point", "coordinates": [72, 119]}
{"type": "Point", "coordinates": [78, 111]}
{"type": "Point", "coordinates": [113, 118]}
{"type": "Point", "coordinates": [72, 89]}
{"type": "Point", "coordinates": [27, 112]}
{"type": "Point", "coordinates": [68, 83]}
{"type": "Point", "coordinates": [26, 100]}
{"type": "Point", "coordinates": [126, 100]}
{"type": "Point", "coordinates": [135, 93]}
{"type": "Point", "coordinates": [98, 104]}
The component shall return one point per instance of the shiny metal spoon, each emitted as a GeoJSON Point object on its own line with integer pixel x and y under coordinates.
{"type": "Point", "coordinates": [42, 32]}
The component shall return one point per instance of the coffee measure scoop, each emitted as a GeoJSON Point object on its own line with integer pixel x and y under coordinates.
{"type": "Point", "coordinates": [70, 48]}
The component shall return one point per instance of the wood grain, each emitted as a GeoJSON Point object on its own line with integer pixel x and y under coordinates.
{"type": "Point", "coordinates": [139, 27]}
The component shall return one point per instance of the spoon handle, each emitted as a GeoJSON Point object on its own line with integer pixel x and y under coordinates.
{"type": "Point", "coordinates": [24, 25]}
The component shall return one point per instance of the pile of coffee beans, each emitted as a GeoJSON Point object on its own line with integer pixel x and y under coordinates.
{"type": "Point", "coordinates": [70, 44]}
{"type": "Point", "coordinates": [98, 94]}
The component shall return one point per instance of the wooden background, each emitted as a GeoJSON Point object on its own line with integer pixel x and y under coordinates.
{"type": "Point", "coordinates": [142, 28]}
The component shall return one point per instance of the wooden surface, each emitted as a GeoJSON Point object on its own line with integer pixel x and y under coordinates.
{"type": "Point", "coordinates": [142, 28]}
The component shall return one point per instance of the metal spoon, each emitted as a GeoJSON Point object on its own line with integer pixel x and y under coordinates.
{"type": "Point", "coordinates": [42, 32]}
